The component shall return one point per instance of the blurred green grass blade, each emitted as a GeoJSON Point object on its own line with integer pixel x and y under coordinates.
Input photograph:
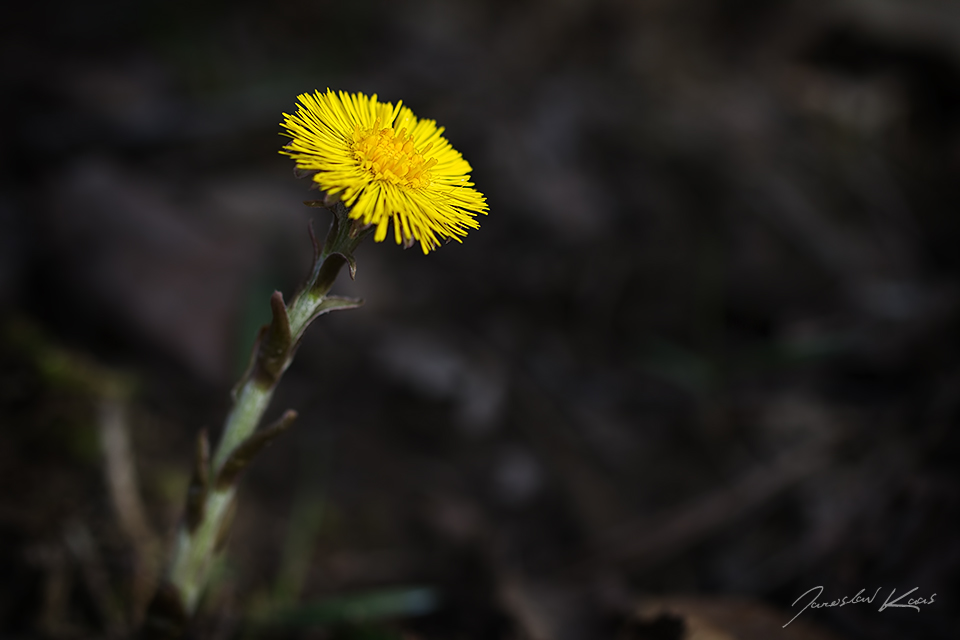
{"type": "Point", "coordinates": [402, 602]}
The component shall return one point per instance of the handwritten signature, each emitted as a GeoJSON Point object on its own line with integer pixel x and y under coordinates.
{"type": "Point", "coordinates": [912, 603]}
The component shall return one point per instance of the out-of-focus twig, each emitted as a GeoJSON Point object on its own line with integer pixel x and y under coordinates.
{"type": "Point", "coordinates": [515, 599]}
{"type": "Point", "coordinates": [57, 582]}
{"type": "Point", "coordinates": [120, 471]}
{"type": "Point", "coordinates": [110, 391]}
{"type": "Point", "coordinates": [121, 477]}
{"type": "Point", "coordinates": [95, 578]}
{"type": "Point", "coordinates": [658, 538]}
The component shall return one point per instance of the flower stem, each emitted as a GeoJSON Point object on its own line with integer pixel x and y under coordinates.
{"type": "Point", "coordinates": [212, 494]}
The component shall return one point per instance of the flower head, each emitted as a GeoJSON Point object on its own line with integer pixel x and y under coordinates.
{"type": "Point", "coordinates": [386, 165]}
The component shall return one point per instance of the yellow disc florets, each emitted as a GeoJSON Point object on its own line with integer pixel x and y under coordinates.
{"type": "Point", "coordinates": [392, 156]}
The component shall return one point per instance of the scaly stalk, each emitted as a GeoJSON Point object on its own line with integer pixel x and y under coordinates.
{"type": "Point", "coordinates": [211, 497]}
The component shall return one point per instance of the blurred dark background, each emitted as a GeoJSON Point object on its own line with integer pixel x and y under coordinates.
{"type": "Point", "coordinates": [703, 349]}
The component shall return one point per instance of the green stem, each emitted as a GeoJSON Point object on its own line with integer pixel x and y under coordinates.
{"type": "Point", "coordinates": [248, 409]}
{"type": "Point", "coordinates": [198, 542]}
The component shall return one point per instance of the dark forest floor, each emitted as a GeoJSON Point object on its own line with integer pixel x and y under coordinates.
{"type": "Point", "coordinates": [701, 356]}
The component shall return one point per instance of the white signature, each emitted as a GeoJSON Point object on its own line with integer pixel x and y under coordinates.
{"type": "Point", "coordinates": [912, 603]}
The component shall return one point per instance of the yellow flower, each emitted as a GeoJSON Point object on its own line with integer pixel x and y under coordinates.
{"type": "Point", "coordinates": [385, 164]}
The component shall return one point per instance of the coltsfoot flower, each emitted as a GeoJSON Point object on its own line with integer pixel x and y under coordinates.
{"type": "Point", "coordinates": [386, 165]}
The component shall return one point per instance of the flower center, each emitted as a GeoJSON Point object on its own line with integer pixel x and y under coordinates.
{"type": "Point", "coordinates": [390, 156]}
